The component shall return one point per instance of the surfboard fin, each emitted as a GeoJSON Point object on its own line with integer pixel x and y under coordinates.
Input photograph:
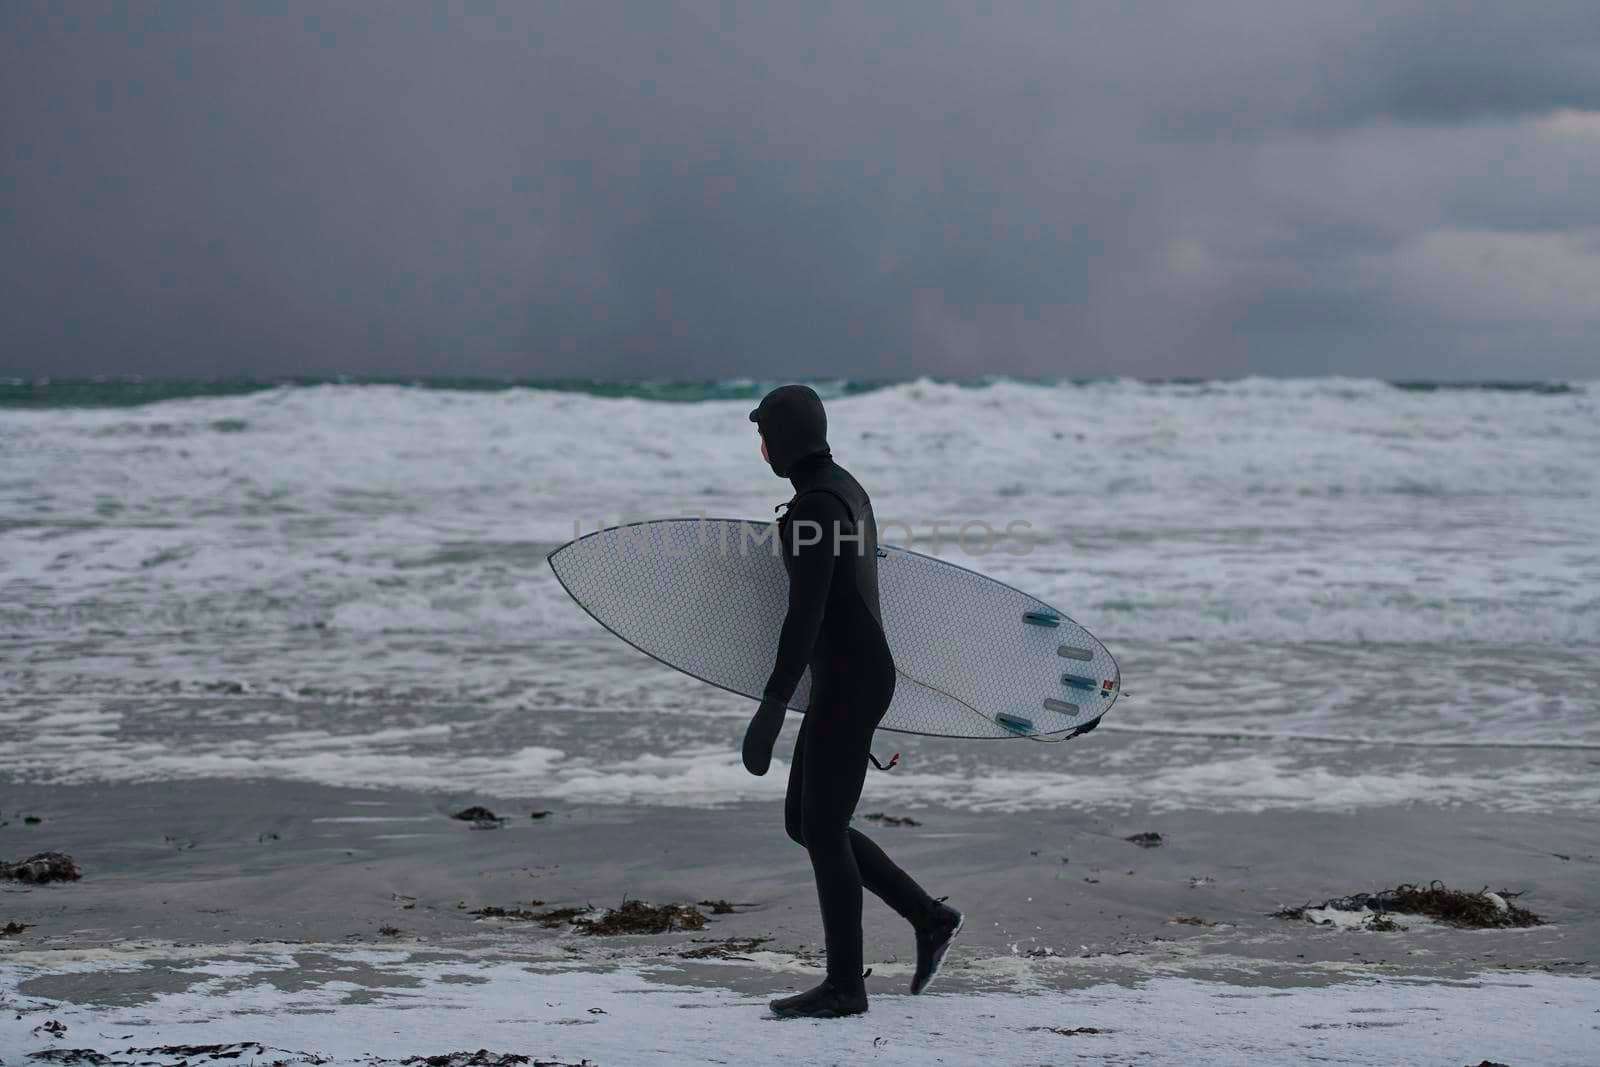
{"type": "Point", "coordinates": [1085, 728]}
{"type": "Point", "coordinates": [1041, 618]}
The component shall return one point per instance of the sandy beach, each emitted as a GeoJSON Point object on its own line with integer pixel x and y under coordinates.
{"type": "Point", "coordinates": [323, 922]}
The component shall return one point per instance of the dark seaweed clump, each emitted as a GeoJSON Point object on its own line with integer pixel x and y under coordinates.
{"type": "Point", "coordinates": [1453, 907]}
{"type": "Point", "coordinates": [1072, 1031]}
{"type": "Point", "coordinates": [13, 928]}
{"type": "Point", "coordinates": [637, 917]}
{"type": "Point", "coordinates": [891, 820]}
{"type": "Point", "coordinates": [556, 916]}
{"type": "Point", "coordinates": [480, 817]}
{"type": "Point", "coordinates": [725, 949]}
{"type": "Point", "coordinates": [634, 917]}
{"type": "Point", "coordinates": [1148, 839]}
{"type": "Point", "coordinates": [42, 867]}
{"type": "Point", "coordinates": [485, 1058]}
{"type": "Point", "coordinates": [548, 919]}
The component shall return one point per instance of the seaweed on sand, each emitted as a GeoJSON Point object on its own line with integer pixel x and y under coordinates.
{"type": "Point", "coordinates": [474, 813]}
{"type": "Point", "coordinates": [1072, 1031]}
{"type": "Point", "coordinates": [42, 867]}
{"type": "Point", "coordinates": [633, 917]}
{"type": "Point", "coordinates": [891, 820]}
{"type": "Point", "coordinates": [637, 917]}
{"type": "Point", "coordinates": [484, 1058]}
{"type": "Point", "coordinates": [1482, 910]}
{"type": "Point", "coordinates": [480, 817]}
{"type": "Point", "coordinates": [548, 919]}
{"type": "Point", "coordinates": [725, 949]}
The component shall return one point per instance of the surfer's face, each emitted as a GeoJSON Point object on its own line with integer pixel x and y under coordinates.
{"type": "Point", "coordinates": [764, 447]}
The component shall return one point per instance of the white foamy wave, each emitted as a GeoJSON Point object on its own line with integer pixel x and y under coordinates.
{"type": "Point", "coordinates": [379, 518]}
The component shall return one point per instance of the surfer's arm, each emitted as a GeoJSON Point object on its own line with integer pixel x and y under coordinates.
{"type": "Point", "coordinates": [814, 518]}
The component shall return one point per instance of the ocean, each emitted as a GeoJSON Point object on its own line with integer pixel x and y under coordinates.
{"type": "Point", "coordinates": [1324, 594]}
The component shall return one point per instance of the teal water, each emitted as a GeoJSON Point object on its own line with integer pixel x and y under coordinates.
{"type": "Point", "coordinates": [132, 392]}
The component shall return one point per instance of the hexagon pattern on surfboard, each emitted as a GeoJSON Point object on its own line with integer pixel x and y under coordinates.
{"type": "Point", "coordinates": [975, 657]}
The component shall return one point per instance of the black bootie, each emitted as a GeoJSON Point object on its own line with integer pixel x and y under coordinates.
{"type": "Point", "coordinates": [933, 941]}
{"type": "Point", "coordinates": [826, 1001]}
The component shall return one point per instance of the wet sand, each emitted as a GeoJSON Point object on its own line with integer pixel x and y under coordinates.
{"type": "Point", "coordinates": [176, 876]}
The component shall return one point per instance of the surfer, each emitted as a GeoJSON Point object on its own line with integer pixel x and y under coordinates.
{"type": "Point", "coordinates": [829, 540]}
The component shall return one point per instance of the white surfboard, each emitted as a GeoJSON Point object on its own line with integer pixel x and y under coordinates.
{"type": "Point", "coordinates": [975, 657]}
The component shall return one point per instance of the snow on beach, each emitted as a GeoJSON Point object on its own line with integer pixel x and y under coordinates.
{"type": "Point", "coordinates": [341, 1005]}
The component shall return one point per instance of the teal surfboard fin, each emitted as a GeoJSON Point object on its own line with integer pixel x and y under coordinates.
{"type": "Point", "coordinates": [1041, 618]}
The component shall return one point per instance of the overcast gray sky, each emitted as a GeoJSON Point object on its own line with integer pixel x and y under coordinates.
{"type": "Point", "coordinates": [1393, 188]}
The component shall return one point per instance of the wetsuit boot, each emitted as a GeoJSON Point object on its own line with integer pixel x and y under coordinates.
{"type": "Point", "coordinates": [933, 941]}
{"type": "Point", "coordinates": [825, 1001]}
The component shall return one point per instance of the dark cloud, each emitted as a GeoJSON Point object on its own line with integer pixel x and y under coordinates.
{"type": "Point", "coordinates": [710, 189]}
{"type": "Point", "coordinates": [1248, 69]}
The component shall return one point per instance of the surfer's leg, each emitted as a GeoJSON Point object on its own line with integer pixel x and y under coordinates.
{"type": "Point", "coordinates": [829, 797]}
{"type": "Point", "coordinates": [936, 925]}
{"type": "Point", "coordinates": [888, 881]}
{"type": "Point", "coordinates": [879, 873]}
{"type": "Point", "coordinates": [792, 800]}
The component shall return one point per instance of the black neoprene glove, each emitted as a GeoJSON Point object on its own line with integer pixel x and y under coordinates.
{"type": "Point", "coordinates": [762, 734]}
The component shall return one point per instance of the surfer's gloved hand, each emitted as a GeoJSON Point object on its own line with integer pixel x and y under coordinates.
{"type": "Point", "coordinates": [762, 734]}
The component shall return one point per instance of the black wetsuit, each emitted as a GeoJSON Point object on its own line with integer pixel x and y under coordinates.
{"type": "Point", "coordinates": [829, 540]}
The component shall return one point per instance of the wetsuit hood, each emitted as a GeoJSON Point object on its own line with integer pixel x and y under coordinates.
{"type": "Point", "coordinates": [794, 425]}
